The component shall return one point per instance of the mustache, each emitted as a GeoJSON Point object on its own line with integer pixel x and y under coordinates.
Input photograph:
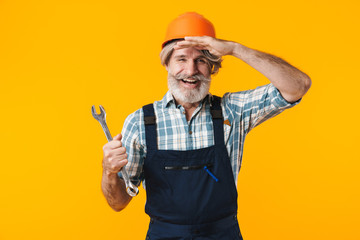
{"type": "Point", "coordinates": [199, 77]}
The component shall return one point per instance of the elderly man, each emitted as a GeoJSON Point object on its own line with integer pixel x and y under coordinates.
{"type": "Point", "coordinates": [187, 147]}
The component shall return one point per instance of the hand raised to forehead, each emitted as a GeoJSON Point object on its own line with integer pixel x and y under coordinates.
{"type": "Point", "coordinates": [215, 46]}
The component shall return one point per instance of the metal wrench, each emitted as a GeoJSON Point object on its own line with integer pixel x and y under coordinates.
{"type": "Point", "coordinates": [131, 189]}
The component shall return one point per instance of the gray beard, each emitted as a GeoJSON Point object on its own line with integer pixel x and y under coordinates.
{"type": "Point", "coordinates": [188, 95]}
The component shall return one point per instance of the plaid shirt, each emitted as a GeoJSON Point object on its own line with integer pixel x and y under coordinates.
{"type": "Point", "coordinates": [242, 112]}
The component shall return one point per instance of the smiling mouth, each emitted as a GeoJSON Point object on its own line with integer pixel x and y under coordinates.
{"type": "Point", "coordinates": [190, 81]}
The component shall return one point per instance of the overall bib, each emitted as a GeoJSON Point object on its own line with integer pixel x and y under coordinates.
{"type": "Point", "coordinates": [190, 194]}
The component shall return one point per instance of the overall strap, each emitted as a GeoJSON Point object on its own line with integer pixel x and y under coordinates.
{"type": "Point", "coordinates": [218, 120]}
{"type": "Point", "coordinates": [150, 127]}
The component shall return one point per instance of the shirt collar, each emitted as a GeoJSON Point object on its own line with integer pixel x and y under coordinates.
{"type": "Point", "coordinates": [168, 99]}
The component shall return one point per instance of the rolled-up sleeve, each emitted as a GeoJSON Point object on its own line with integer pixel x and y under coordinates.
{"type": "Point", "coordinates": [134, 150]}
{"type": "Point", "coordinates": [255, 106]}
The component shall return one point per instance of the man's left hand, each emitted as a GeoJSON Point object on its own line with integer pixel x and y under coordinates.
{"type": "Point", "coordinates": [213, 45]}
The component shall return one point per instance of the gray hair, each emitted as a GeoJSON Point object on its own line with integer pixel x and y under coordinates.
{"type": "Point", "coordinates": [214, 61]}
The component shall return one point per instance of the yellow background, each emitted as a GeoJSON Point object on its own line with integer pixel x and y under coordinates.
{"type": "Point", "coordinates": [300, 174]}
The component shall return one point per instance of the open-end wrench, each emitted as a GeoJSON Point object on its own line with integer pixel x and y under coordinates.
{"type": "Point", "coordinates": [131, 189]}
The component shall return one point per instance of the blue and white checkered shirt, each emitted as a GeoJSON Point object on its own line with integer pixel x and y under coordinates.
{"type": "Point", "coordinates": [242, 112]}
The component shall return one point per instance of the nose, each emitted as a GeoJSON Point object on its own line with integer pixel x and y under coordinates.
{"type": "Point", "coordinates": [191, 68]}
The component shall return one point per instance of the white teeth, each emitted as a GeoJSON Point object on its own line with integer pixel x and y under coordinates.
{"type": "Point", "coordinates": [189, 80]}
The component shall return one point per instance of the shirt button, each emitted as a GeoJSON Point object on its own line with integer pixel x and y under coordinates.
{"type": "Point", "coordinates": [190, 132]}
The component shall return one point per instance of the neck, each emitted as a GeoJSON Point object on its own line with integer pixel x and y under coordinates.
{"type": "Point", "coordinates": [189, 108]}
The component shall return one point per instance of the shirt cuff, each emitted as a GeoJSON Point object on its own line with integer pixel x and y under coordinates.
{"type": "Point", "coordinates": [279, 100]}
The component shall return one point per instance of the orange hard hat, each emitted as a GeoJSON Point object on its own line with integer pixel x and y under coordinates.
{"type": "Point", "coordinates": [189, 24]}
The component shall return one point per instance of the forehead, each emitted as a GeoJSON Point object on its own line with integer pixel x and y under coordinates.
{"type": "Point", "coordinates": [187, 52]}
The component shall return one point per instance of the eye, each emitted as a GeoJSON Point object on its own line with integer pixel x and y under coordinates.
{"type": "Point", "coordinates": [181, 60]}
{"type": "Point", "coordinates": [201, 60]}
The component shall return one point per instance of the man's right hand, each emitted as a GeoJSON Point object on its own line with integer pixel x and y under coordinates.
{"type": "Point", "coordinates": [115, 157]}
{"type": "Point", "coordinates": [113, 187]}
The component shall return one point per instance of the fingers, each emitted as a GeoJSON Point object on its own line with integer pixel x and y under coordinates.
{"type": "Point", "coordinates": [122, 164]}
{"type": "Point", "coordinates": [202, 39]}
{"type": "Point", "coordinates": [115, 156]}
{"type": "Point", "coordinates": [114, 166]}
{"type": "Point", "coordinates": [115, 143]}
{"type": "Point", "coordinates": [118, 137]}
{"type": "Point", "coordinates": [115, 159]}
{"type": "Point", "coordinates": [187, 45]}
{"type": "Point", "coordinates": [215, 46]}
{"type": "Point", "coordinates": [115, 153]}
{"type": "Point", "coordinates": [200, 45]}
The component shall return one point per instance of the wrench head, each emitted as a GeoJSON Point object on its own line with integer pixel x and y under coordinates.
{"type": "Point", "coordinates": [102, 114]}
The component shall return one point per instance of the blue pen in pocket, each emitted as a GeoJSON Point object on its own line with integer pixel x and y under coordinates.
{"type": "Point", "coordinates": [211, 174]}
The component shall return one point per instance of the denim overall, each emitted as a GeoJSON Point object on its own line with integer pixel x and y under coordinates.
{"type": "Point", "coordinates": [190, 194]}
